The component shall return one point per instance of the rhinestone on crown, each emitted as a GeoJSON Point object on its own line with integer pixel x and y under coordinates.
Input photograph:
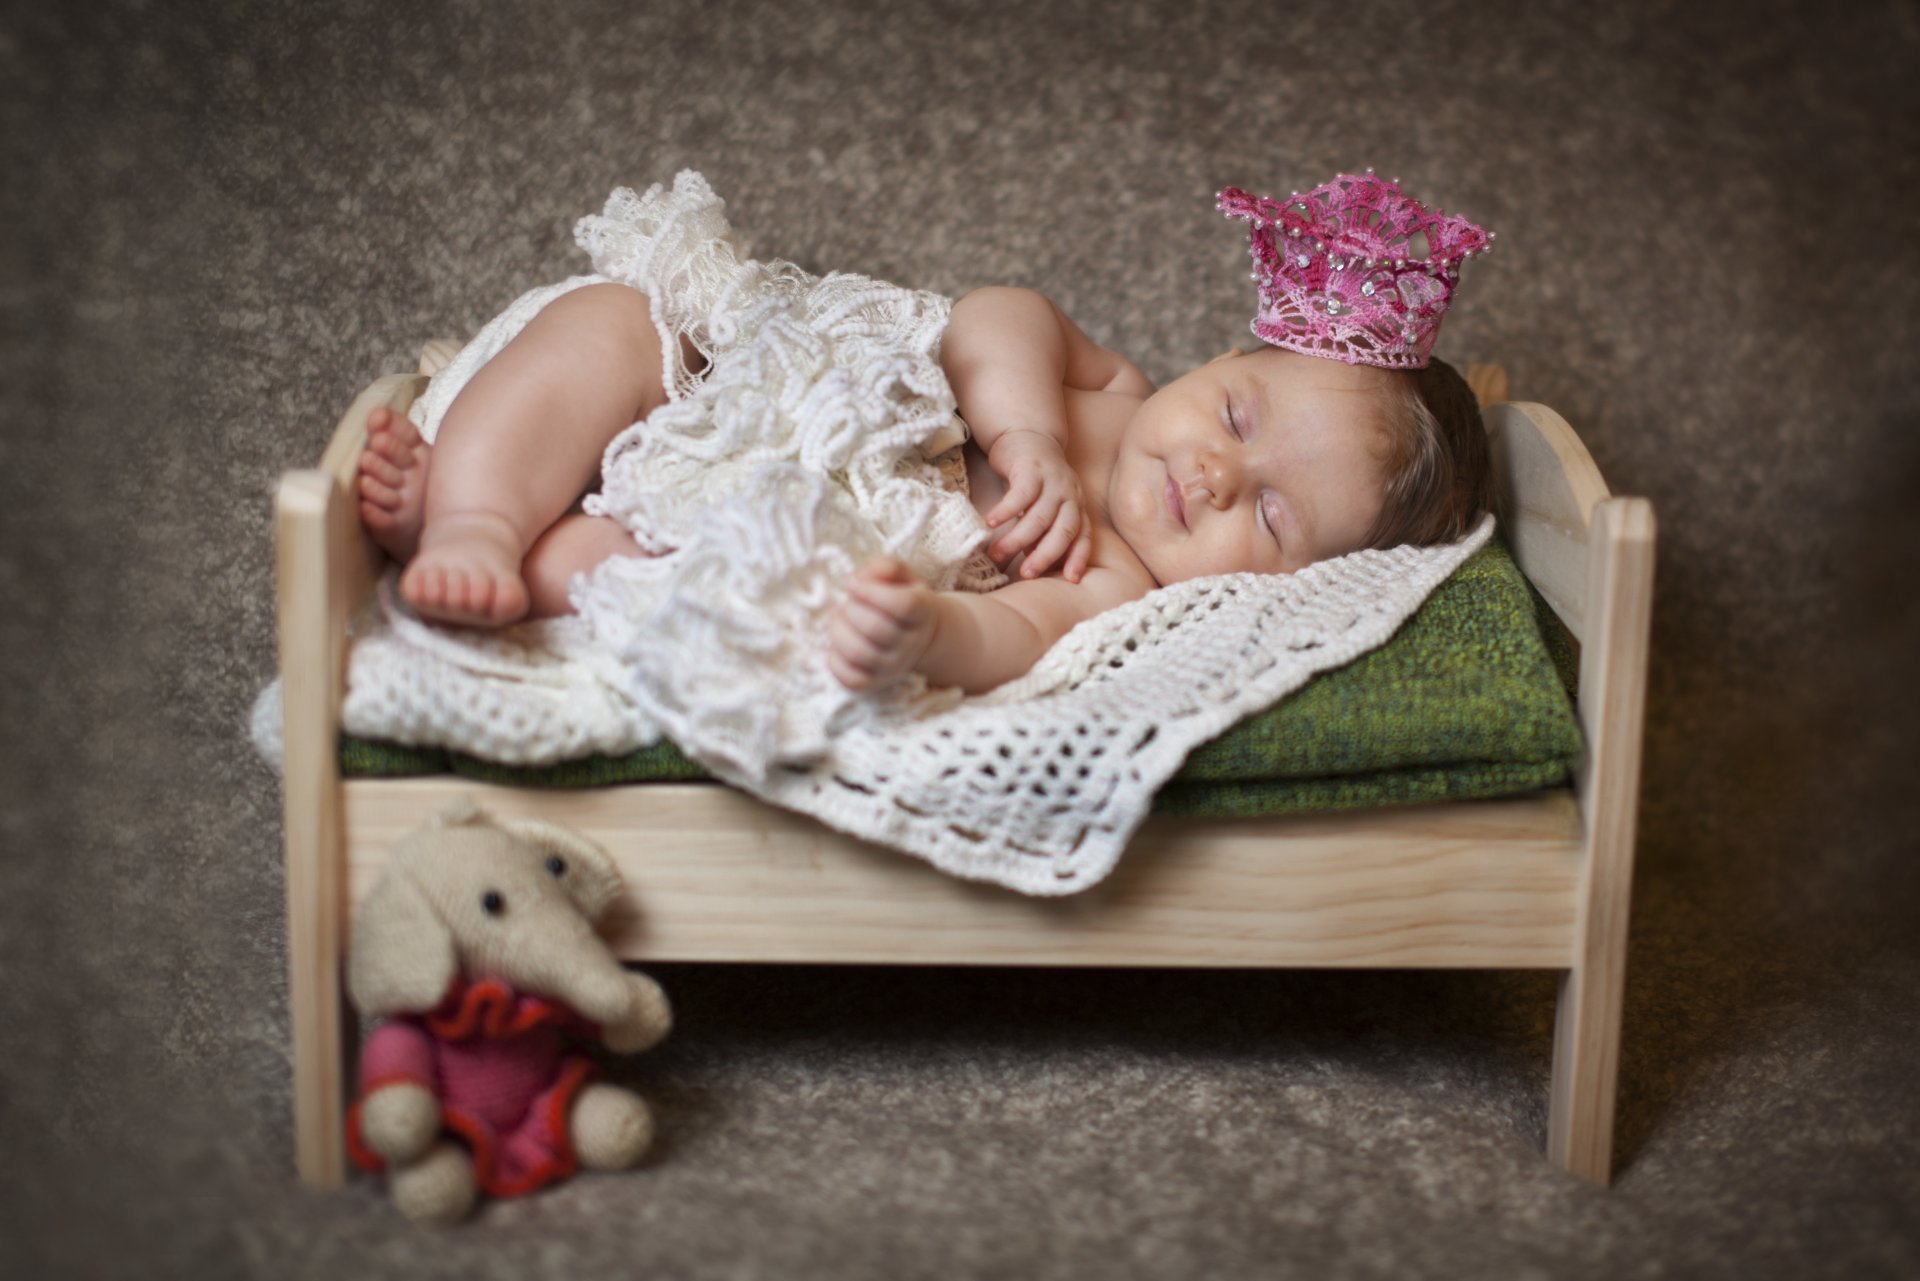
{"type": "Point", "coordinates": [1367, 276]}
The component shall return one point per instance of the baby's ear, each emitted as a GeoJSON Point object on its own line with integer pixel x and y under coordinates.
{"type": "Point", "coordinates": [1228, 354]}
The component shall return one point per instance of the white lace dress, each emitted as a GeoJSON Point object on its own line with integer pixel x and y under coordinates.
{"type": "Point", "coordinates": [821, 433]}
{"type": "Point", "coordinates": [838, 375]}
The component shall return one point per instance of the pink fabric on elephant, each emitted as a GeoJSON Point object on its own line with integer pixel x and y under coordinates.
{"type": "Point", "coordinates": [497, 1061]}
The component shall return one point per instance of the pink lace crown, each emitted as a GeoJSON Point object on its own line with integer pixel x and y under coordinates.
{"type": "Point", "coordinates": [1354, 270]}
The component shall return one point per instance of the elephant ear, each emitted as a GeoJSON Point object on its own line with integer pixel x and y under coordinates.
{"type": "Point", "coordinates": [401, 959]}
{"type": "Point", "coordinates": [586, 872]}
{"type": "Point", "coordinates": [461, 811]}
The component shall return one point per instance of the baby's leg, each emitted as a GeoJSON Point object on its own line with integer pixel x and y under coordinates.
{"type": "Point", "coordinates": [521, 442]}
{"type": "Point", "coordinates": [573, 544]}
{"type": "Point", "coordinates": [393, 475]}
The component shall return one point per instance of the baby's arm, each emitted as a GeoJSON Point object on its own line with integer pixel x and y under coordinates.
{"type": "Point", "coordinates": [893, 623]}
{"type": "Point", "coordinates": [1009, 355]}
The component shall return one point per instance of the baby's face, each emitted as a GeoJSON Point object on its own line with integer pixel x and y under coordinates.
{"type": "Point", "coordinates": [1262, 462]}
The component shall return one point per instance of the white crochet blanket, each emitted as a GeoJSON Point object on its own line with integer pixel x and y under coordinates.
{"type": "Point", "coordinates": [802, 452]}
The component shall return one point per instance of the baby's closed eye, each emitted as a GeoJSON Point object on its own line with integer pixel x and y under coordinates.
{"type": "Point", "coordinates": [1269, 515]}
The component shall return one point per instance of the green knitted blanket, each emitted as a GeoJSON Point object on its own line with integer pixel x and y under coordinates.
{"type": "Point", "coordinates": [1471, 698]}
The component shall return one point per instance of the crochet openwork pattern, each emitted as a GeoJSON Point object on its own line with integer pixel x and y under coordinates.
{"type": "Point", "coordinates": [1354, 270]}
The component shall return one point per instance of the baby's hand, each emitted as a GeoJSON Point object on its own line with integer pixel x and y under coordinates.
{"type": "Point", "coordinates": [883, 628]}
{"type": "Point", "coordinates": [1043, 495]}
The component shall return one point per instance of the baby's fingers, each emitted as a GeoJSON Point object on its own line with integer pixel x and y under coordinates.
{"type": "Point", "coordinates": [846, 672]}
{"type": "Point", "coordinates": [1060, 536]}
{"type": "Point", "coordinates": [851, 657]}
{"type": "Point", "coordinates": [1019, 497]}
{"type": "Point", "coordinates": [1039, 518]}
{"type": "Point", "coordinates": [1076, 567]}
{"type": "Point", "coordinates": [876, 625]}
{"type": "Point", "coordinates": [901, 604]}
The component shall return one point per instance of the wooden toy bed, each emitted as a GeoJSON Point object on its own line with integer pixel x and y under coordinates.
{"type": "Point", "coordinates": [1533, 882]}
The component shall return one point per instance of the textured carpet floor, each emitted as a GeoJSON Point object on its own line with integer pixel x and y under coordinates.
{"type": "Point", "coordinates": [220, 219]}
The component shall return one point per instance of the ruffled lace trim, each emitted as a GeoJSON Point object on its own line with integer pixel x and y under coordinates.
{"type": "Point", "coordinates": [490, 1010]}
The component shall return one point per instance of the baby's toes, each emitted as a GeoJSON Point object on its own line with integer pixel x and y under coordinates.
{"type": "Point", "coordinates": [424, 585]}
{"type": "Point", "coordinates": [388, 450]}
{"type": "Point", "coordinates": [467, 595]}
{"type": "Point", "coordinates": [483, 595]}
{"type": "Point", "coordinates": [391, 435]}
{"type": "Point", "coordinates": [380, 468]}
{"type": "Point", "coordinates": [463, 593]}
{"type": "Point", "coordinates": [383, 421]}
{"type": "Point", "coordinates": [379, 425]}
{"type": "Point", "coordinates": [379, 520]}
{"type": "Point", "coordinates": [379, 495]}
{"type": "Point", "coordinates": [476, 595]}
{"type": "Point", "coordinates": [497, 600]}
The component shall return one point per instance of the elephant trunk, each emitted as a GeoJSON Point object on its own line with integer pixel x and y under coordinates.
{"type": "Point", "coordinates": [566, 961]}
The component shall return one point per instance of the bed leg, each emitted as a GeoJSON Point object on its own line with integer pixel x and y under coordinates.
{"type": "Point", "coordinates": [320, 1025]}
{"type": "Point", "coordinates": [309, 514]}
{"type": "Point", "coordinates": [1613, 692]}
{"type": "Point", "coordinates": [1586, 1061]}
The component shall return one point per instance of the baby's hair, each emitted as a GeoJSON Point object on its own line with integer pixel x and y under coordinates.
{"type": "Point", "coordinates": [1438, 468]}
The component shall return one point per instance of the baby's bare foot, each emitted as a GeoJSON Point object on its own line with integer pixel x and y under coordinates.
{"type": "Point", "coordinates": [393, 483]}
{"type": "Point", "coordinates": [467, 571]}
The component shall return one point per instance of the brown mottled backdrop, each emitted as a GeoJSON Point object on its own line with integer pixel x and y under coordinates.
{"type": "Point", "coordinates": [218, 220]}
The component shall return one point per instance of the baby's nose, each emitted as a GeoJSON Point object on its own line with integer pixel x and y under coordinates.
{"type": "Point", "coordinates": [1222, 475]}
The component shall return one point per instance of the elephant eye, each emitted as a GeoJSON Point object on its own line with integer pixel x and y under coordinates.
{"type": "Point", "coordinates": [557, 865]}
{"type": "Point", "coordinates": [492, 904]}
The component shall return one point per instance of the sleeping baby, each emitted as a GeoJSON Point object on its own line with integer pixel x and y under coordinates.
{"type": "Point", "coordinates": [1339, 432]}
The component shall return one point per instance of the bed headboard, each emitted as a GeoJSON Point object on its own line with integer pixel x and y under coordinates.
{"type": "Point", "coordinates": [1591, 556]}
{"type": "Point", "coordinates": [1546, 489]}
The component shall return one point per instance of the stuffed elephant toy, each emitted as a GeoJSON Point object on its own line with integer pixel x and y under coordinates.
{"type": "Point", "coordinates": [478, 948]}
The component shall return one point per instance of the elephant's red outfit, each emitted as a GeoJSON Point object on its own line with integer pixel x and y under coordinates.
{"type": "Point", "coordinates": [497, 1061]}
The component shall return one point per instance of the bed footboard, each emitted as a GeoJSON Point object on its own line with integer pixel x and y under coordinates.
{"type": "Point", "coordinates": [324, 568]}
